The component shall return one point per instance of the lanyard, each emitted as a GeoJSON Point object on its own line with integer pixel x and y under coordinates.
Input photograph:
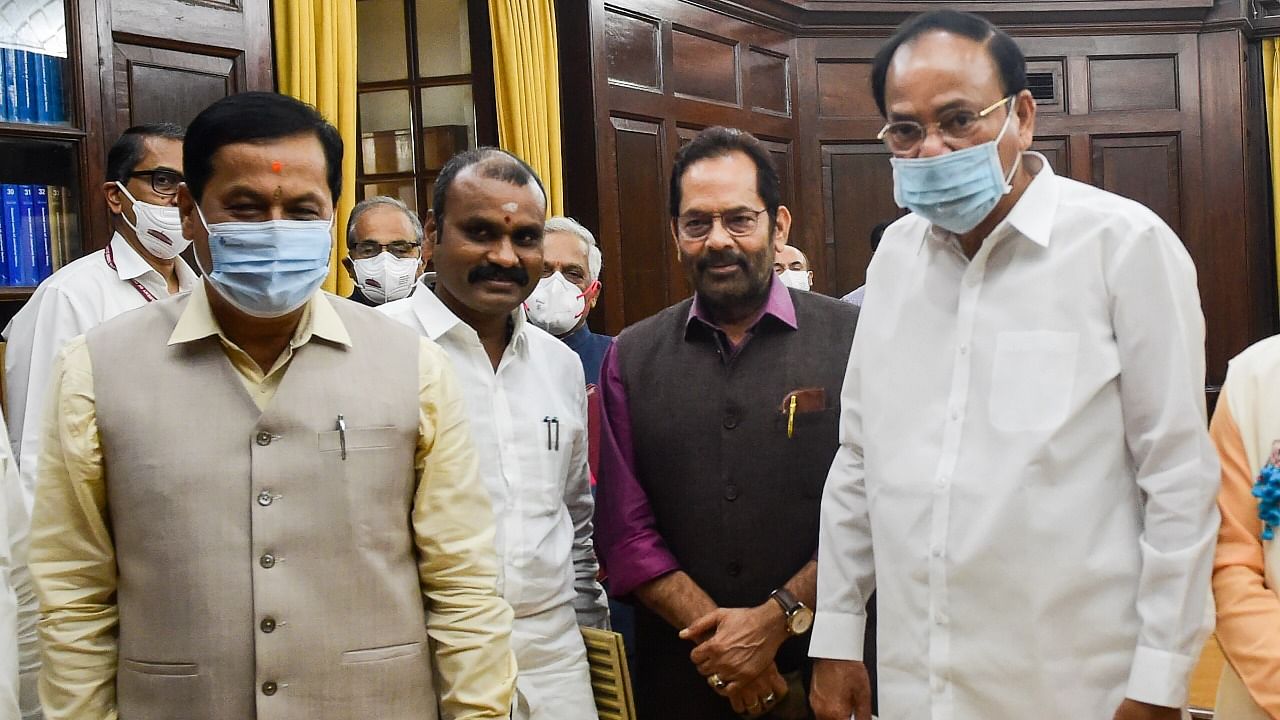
{"type": "Point", "coordinates": [111, 263]}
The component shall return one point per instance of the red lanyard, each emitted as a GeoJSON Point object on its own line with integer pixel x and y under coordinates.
{"type": "Point", "coordinates": [111, 263]}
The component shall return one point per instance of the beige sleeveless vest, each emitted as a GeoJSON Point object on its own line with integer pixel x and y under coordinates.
{"type": "Point", "coordinates": [261, 574]}
{"type": "Point", "coordinates": [1254, 394]}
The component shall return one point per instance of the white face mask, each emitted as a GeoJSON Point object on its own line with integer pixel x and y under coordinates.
{"type": "Point", "coordinates": [159, 227]}
{"type": "Point", "coordinates": [386, 277]}
{"type": "Point", "coordinates": [557, 305]}
{"type": "Point", "coordinates": [798, 279]}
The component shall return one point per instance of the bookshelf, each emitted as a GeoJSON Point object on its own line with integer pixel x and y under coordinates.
{"type": "Point", "coordinates": [43, 140]}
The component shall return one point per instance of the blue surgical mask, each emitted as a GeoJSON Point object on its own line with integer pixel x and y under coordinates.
{"type": "Point", "coordinates": [268, 269]}
{"type": "Point", "coordinates": [957, 190]}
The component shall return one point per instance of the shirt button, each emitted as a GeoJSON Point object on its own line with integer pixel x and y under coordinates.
{"type": "Point", "coordinates": [268, 625]}
{"type": "Point", "coordinates": [940, 618]}
{"type": "Point", "coordinates": [267, 561]}
{"type": "Point", "coordinates": [955, 414]}
{"type": "Point", "coordinates": [730, 421]}
{"type": "Point", "coordinates": [265, 498]}
{"type": "Point", "coordinates": [942, 481]}
{"type": "Point", "coordinates": [964, 349]}
{"type": "Point", "coordinates": [731, 493]}
{"type": "Point", "coordinates": [269, 688]}
{"type": "Point", "coordinates": [734, 569]}
{"type": "Point", "coordinates": [264, 438]}
{"type": "Point", "coordinates": [937, 552]}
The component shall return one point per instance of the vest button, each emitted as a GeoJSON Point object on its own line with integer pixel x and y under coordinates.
{"type": "Point", "coordinates": [267, 561]}
{"type": "Point", "coordinates": [265, 498]}
{"type": "Point", "coordinates": [731, 493]}
{"type": "Point", "coordinates": [734, 568]}
{"type": "Point", "coordinates": [730, 421]}
{"type": "Point", "coordinates": [264, 438]}
{"type": "Point", "coordinates": [269, 688]}
{"type": "Point", "coordinates": [268, 625]}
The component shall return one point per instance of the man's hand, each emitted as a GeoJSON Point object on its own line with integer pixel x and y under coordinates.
{"type": "Point", "coordinates": [1134, 710]}
{"type": "Point", "coordinates": [757, 696]}
{"type": "Point", "coordinates": [842, 688]}
{"type": "Point", "coordinates": [738, 644]}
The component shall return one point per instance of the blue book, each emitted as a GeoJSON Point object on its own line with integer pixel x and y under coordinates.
{"type": "Point", "coordinates": [9, 67]}
{"type": "Point", "coordinates": [5, 228]}
{"type": "Point", "coordinates": [4, 96]}
{"type": "Point", "coordinates": [53, 76]}
{"type": "Point", "coordinates": [12, 212]}
{"type": "Point", "coordinates": [40, 82]}
{"type": "Point", "coordinates": [24, 261]}
{"type": "Point", "coordinates": [26, 105]}
{"type": "Point", "coordinates": [42, 233]}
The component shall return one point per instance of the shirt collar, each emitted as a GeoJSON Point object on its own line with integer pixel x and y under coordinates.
{"type": "Point", "coordinates": [438, 320]}
{"type": "Point", "coordinates": [778, 304]}
{"type": "Point", "coordinates": [319, 319]}
{"type": "Point", "coordinates": [1031, 217]}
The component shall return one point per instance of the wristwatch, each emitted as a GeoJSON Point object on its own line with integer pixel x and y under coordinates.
{"type": "Point", "coordinates": [798, 616]}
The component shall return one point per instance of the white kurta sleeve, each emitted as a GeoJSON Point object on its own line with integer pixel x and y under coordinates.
{"type": "Point", "coordinates": [846, 567]}
{"type": "Point", "coordinates": [19, 649]}
{"type": "Point", "coordinates": [1159, 330]}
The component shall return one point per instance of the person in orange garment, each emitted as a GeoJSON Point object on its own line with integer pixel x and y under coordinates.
{"type": "Point", "coordinates": [1246, 569]}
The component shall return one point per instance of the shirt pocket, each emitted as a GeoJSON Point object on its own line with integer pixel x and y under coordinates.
{"type": "Point", "coordinates": [1032, 379]}
{"type": "Point", "coordinates": [378, 477]}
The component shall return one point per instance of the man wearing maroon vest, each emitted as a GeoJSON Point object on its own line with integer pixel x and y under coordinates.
{"type": "Point", "coordinates": [719, 424]}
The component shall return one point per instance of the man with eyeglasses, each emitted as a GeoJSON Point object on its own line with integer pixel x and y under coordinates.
{"type": "Point", "coordinates": [138, 265]}
{"type": "Point", "coordinates": [1024, 476]}
{"type": "Point", "coordinates": [386, 253]}
{"type": "Point", "coordinates": [719, 424]}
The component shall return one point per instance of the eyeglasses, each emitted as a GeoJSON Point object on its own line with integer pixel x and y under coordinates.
{"type": "Point", "coordinates": [738, 223]}
{"type": "Point", "coordinates": [163, 182]}
{"type": "Point", "coordinates": [371, 248]}
{"type": "Point", "coordinates": [904, 136]}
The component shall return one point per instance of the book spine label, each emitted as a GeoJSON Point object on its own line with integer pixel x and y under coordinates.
{"type": "Point", "coordinates": [40, 215]}
{"type": "Point", "coordinates": [40, 80]}
{"type": "Point", "coordinates": [26, 105]}
{"type": "Point", "coordinates": [12, 210]}
{"type": "Point", "coordinates": [56, 224]}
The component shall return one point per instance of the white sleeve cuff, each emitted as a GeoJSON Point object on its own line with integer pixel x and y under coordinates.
{"type": "Point", "coordinates": [1159, 678]}
{"type": "Point", "coordinates": [837, 636]}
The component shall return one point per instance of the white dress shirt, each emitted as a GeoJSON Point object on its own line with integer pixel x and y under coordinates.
{"type": "Point", "coordinates": [19, 607]}
{"type": "Point", "coordinates": [78, 297]}
{"type": "Point", "coordinates": [1024, 470]}
{"type": "Point", "coordinates": [535, 470]}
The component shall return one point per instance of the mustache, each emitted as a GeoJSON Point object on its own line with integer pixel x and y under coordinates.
{"type": "Point", "coordinates": [517, 274]}
{"type": "Point", "coordinates": [722, 257]}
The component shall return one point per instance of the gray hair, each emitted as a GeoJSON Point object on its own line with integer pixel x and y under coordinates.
{"type": "Point", "coordinates": [595, 260]}
{"type": "Point", "coordinates": [365, 206]}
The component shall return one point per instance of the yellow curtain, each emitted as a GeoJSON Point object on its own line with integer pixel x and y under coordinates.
{"type": "Point", "coordinates": [315, 44]}
{"type": "Point", "coordinates": [527, 79]}
{"type": "Point", "coordinates": [1270, 68]}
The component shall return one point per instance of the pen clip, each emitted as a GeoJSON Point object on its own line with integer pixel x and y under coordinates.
{"type": "Point", "coordinates": [342, 436]}
{"type": "Point", "coordinates": [791, 418]}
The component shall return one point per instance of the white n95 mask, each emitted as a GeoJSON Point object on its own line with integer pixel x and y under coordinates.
{"type": "Point", "coordinates": [385, 277]}
{"type": "Point", "coordinates": [557, 305]}
{"type": "Point", "coordinates": [159, 227]}
{"type": "Point", "coordinates": [798, 279]}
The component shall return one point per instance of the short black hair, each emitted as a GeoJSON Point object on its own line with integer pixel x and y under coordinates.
{"type": "Point", "coordinates": [1004, 52]}
{"type": "Point", "coordinates": [494, 163]}
{"type": "Point", "coordinates": [717, 142]}
{"type": "Point", "coordinates": [127, 151]}
{"type": "Point", "coordinates": [256, 117]}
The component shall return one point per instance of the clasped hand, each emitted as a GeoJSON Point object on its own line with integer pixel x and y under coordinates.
{"type": "Point", "coordinates": [738, 646]}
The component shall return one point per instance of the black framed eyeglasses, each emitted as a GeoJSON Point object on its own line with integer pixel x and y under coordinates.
{"type": "Point", "coordinates": [372, 248]}
{"type": "Point", "coordinates": [163, 182]}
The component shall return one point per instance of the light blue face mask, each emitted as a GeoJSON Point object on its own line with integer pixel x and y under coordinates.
{"type": "Point", "coordinates": [956, 190]}
{"type": "Point", "coordinates": [268, 269]}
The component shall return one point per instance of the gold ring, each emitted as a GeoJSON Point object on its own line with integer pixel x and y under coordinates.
{"type": "Point", "coordinates": [715, 681]}
{"type": "Point", "coordinates": [768, 699]}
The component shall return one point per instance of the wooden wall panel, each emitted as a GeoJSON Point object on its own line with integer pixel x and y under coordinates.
{"type": "Point", "coordinates": [1146, 168]}
{"type": "Point", "coordinates": [770, 88]}
{"type": "Point", "coordinates": [159, 85]}
{"type": "Point", "coordinates": [632, 50]}
{"type": "Point", "coordinates": [645, 237]}
{"type": "Point", "coordinates": [704, 67]}
{"type": "Point", "coordinates": [857, 190]}
{"type": "Point", "coordinates": [1136, 83]}
{"type": "Point", "coordinates": [844, 89]}
{"type": "Point", "coordinates": [1057, 150]}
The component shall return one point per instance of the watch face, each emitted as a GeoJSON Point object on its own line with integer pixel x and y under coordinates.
{"type": "Point", "coordinates": [801, 621]}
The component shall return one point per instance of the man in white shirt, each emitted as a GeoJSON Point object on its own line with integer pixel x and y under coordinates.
{"type": "Point", "coordinates": [1025, 476]}
{"type": "Point", "coordinates": [19, 608]}
{"type": "Point", "coordinates": [138, 265]}
{"type": "Point", "coordinates": [526, 401]}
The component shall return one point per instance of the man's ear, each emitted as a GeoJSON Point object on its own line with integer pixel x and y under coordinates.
{"type": "Point", "coordinates": [781, 228]}
{"type": "Point", "coordinates": [192, 228]}
{"type": "Point", "coordinates": [115, 198]}
{"type": "Point", "coordinates": [430, 236]}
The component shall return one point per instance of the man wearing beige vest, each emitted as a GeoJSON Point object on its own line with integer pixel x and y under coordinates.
{"type": "Point", "coordinates": [1246, 569]}
{"type": "Point", "coordinates": [226, 526]}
